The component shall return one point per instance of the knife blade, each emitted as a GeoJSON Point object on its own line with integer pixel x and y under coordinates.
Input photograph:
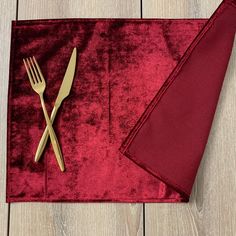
{"type": "Point", "coordinates": [64, 91]}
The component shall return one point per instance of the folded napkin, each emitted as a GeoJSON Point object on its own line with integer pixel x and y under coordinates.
{"type": "Point", "coordinates": [136, 122]}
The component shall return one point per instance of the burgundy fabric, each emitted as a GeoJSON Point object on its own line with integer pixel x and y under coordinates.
{"type": "Point", "coordinates": [170, 137]}
{"type": "Point", "coordinates": [145, 89]}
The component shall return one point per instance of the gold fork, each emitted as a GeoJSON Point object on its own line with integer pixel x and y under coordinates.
{"type": "Point", "coordinates": [38, 84]}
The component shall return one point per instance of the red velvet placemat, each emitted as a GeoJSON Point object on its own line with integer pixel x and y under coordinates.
{"type": "Point", "coordinates": [116, 106]}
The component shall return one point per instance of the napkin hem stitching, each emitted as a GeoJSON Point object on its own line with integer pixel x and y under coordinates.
{"type": "Point", "coordinates": [92, 200]}
{"type": "Point", "coordinates": [9, 108]}
{"type": "Point", "coordinates": [59, 20]}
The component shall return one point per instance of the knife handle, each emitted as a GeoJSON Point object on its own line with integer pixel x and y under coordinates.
{"type": "Point", "coordinates": [44, 138]}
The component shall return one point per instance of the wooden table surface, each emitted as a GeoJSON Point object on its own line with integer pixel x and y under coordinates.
{"type": "Point", "coordinates": [212, 208]}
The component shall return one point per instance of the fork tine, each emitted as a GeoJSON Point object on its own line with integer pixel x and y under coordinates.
{"type": "Point", "coordinates": [35, 70]}
{"type": "Point", "coordinates": [28, 72]}
{"type": "Point", "coordinates": [39, 71]}
{"type": "Point", "coordinates": [31, 70]}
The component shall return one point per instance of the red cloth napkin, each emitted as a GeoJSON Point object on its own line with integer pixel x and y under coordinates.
{"type": "Point", "coordinates": [145, 89]}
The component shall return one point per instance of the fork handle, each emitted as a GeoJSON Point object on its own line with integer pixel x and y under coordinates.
{"type": "Point", "coordinates": [53, 137]}
{"type": "Point", "coordinates": [44, 138]}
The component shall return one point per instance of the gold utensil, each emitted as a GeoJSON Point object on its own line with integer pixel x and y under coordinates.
{"type": "Point", "coordinates": [62, 94]}
{"type": "Point", "coordinates": [38, 84]}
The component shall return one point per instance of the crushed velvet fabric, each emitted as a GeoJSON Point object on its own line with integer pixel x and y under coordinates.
{"type": "Point", "coordinates": [123, 103]}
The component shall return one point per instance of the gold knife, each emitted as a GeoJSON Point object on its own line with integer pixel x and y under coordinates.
{"type": "Point", "coordinates": [62, 94]}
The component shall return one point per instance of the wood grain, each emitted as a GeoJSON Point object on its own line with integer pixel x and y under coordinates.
{"type": "Point", "coordinates": [212, 209]}
{"type": "Point", "coordinates": [179, 8]}
{"type": "Point", "coordinates": [5, 29]}
{"type": "Point", "coordinates": [76, 219]}
{"type": "Point", "coordinates": [78, 8]}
